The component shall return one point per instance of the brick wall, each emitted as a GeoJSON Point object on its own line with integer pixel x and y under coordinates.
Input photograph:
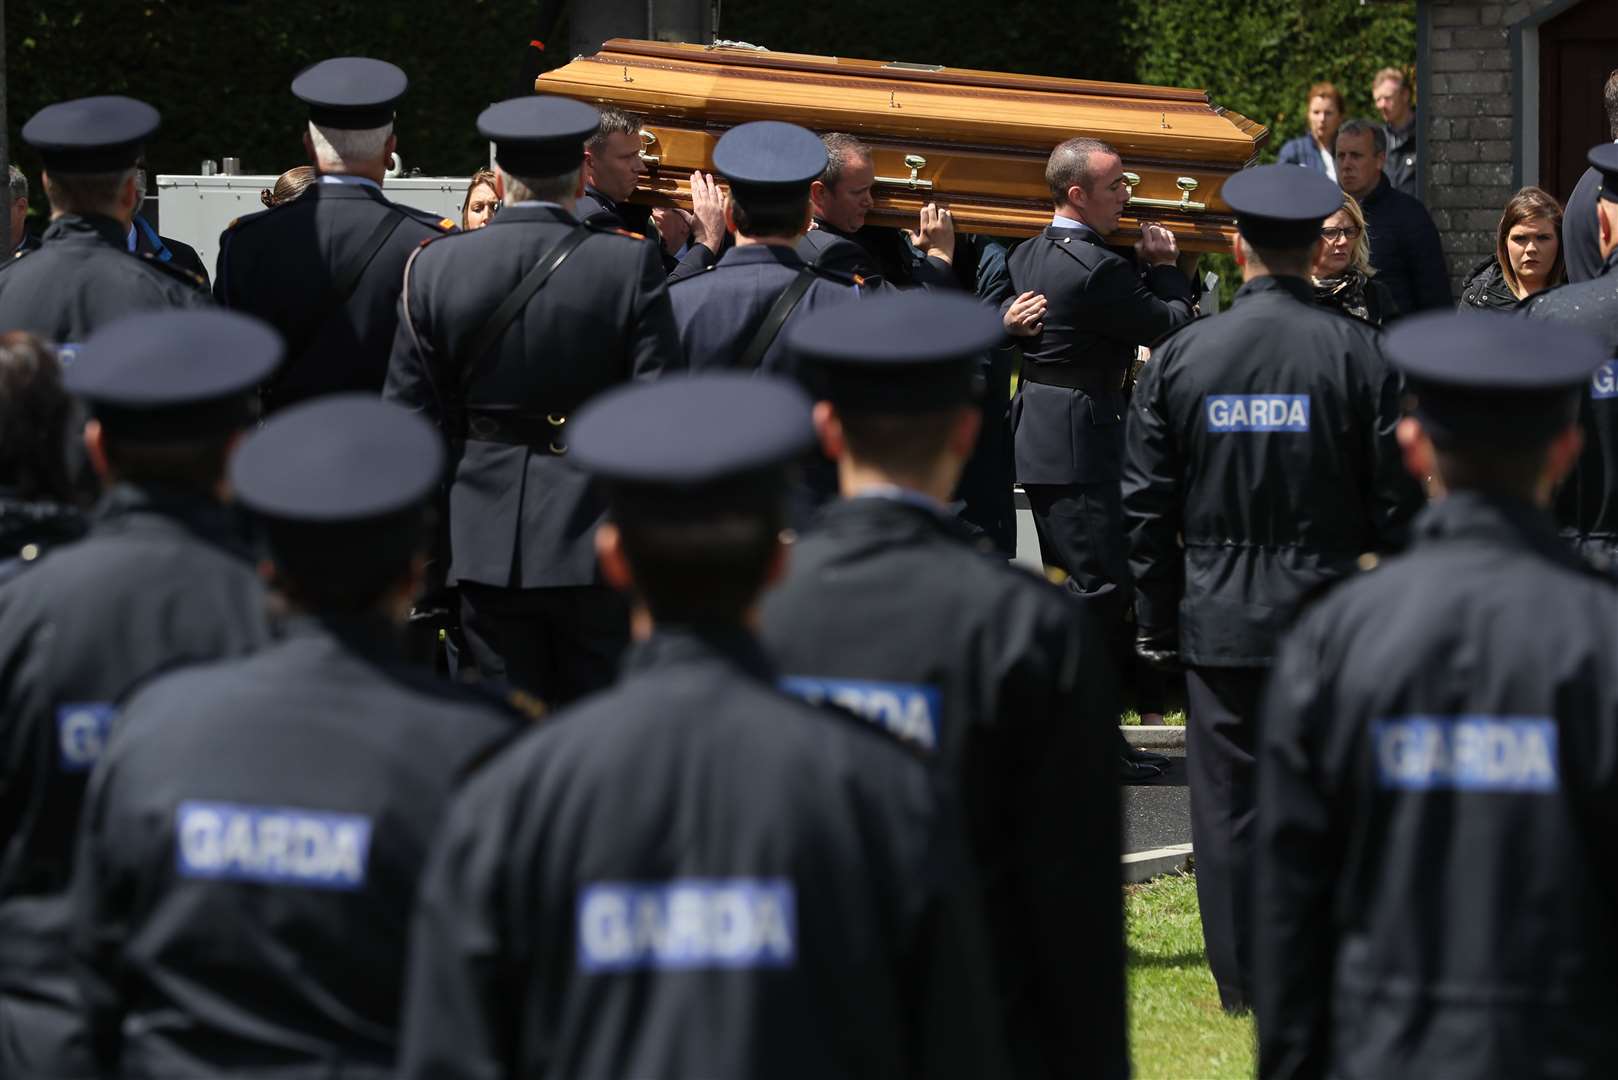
{"type": "Point", "coordinates": [1468, 116]}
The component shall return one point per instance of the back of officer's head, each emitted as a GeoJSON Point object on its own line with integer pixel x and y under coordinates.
{"type": "Point", "coordinates": [695, 474]}
{"type": "Point", "coordinates": [539, 146]}
{"type": "Point", "coordinates": [770, 166]}
{"type": "Point", "coordinates": [341, 486]}
{"type": "Point", "coordinates": [169, 392]}
{"type": "Point", "coordinates": [900, 376]}
{"type": "Point", "coordinates": [1492, 400]}
{"type": "Point", "coordinates": [1279, 210]}
{"type": "Point", "coordinates": [89, 148]}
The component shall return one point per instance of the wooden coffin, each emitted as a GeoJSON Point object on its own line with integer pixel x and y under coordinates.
{"type": "Point", "coordinates": [974, 140]}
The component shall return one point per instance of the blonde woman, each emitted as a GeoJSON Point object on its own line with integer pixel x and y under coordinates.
{"type": "Point", "coordinates": [1342, 273]}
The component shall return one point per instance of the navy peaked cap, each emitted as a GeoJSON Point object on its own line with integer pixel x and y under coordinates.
{"type": "Point", "coordinates": [768, 154]}
{"type": "Point", "coordinates": [91, 135]}
{"type": "Point", "coordinates": [692, 431]}
{"type": "Point", "coordinates": [1479, 375]}
{"type": "Point", "coordinates": [1281, 205]}
{"type": "Point", "coordinates": [901, 352]}
{"type": "Point", "coordinates": [540, 134]}
{"type": "Point", "coordinates": [175, 376]}
{"type": "Point", "coordinates": [350, 92]}
{"type": "Point", "coordinates": [1605, 159]}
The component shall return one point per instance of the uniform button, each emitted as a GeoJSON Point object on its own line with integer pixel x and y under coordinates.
{"type": "Point", "coordinates": [29, 552]}
{"type": "Point", "coordinates": [1368, 561]}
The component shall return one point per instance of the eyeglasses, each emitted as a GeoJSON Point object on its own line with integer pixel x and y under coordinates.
{"type": "Point", "coordinates": [1347, 232]}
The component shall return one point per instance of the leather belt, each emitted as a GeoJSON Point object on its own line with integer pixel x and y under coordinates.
{"type": "Point", "coordinates": [1089, 380]}
{"type": "Point", "coordinates": [539, 432]}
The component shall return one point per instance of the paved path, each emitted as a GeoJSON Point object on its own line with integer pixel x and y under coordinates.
{"type": "Point", "coordinates": [1158, 815]}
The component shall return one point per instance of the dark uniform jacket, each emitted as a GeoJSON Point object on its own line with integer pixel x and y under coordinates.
{"type": "Point", "coordinates": [1587, 505]}
{"type": "Point", "coordinates": [1405, 249]}
{"type": "Point", "coordinates": [719, 312]}
{"type": "Point", "coordinates": [594, 208]}
{"type": "Point", "coordinates": [872, 252]}
{"type": "Point", "coordinates": [1438, 785]}
{"type": "Point", "coordinates": [282, 264]}
{"type": "Point", "coordinates": [249, 855]}
{"type": "Point", "coordinates": [1581, 235]}
{"type": "Point", "coordinates": [167, 249]}
{"type": "Point", "coordinates": [82, 276]}
{"type": "Point", "coordinates": [691, 875]}
{"type": "Point", "coordinates": [29, 528]}
{"type": "Point", "coordinates": [1008, 686]}
{"type": "Point", "coordinates": [1099, 309]}
{"type": "Point", "coordinates": [520, 515]}
{"type": "Point", "coordinates": [161, 580]}
{"type": "Point", "coordinates": [1264, 438]}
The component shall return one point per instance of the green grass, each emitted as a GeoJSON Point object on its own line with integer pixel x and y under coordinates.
{"type": "Point", "coordinates": [1131, 718]}
{"type": "Point", "coordinates": [1177, 1031]}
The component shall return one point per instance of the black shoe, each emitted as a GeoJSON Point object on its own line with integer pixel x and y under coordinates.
{"type": "Point", "coordinates": [1147, 757]}
{"type": "Point", "coordinates": [1135, 772]}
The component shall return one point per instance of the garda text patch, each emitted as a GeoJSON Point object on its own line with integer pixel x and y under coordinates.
{"type": "Point", "coordinates": [903, 709]}
{"type": "Point", "coordinates": [1257, 412]}
{"type": "Point", "coordinates": [1604, 382]}
{"type": "Point", "coordinates": [81, 732]}
{"type": "Point", "coordinates": [688, 923]}
{"type": "Point", "coordinates": [272, 845]}
{"type": "Point", "coordinates": [1467, 753]}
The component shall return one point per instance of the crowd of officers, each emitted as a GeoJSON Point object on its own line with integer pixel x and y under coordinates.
{"type": "Point", "coordinates": [759, 758]}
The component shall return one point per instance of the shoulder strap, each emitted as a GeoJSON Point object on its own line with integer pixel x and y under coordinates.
{"type": "Point", "coordinates": [775, 319]}
{"type": "Point", "coordinates": [343, 284]}
{"type": "Point", "coordinates": [531, 283]}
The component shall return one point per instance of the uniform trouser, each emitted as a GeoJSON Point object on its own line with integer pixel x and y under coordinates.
{"type": "Point", "coordinates": [1081, 530]}
{"type": "Point", "coordinates": [558, 644]}
{"type": "Point", "coordinates": [1222, 704]}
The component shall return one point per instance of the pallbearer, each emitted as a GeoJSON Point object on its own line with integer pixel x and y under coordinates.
{"type": "Point", "coordinates": [1259, 464]}
{"type": "Point", "coordinates": [250, 846]}
{"type": "Point", "coordinates": [1436, 894]}
{"type": "Point", "coordinates": [690, 874]}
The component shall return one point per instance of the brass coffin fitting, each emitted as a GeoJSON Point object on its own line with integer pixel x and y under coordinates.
{"type": "Point", "coordinates": [1186, 184]}
{"type": "Point", "coordinates": [915, 163]}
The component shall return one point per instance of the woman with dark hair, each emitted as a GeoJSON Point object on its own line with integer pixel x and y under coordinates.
{"type": "Point", "coordinates": [38, 505]}
{"type": "Point", "coordinates": [481, 201]}
{"type": "Point", "coordinates": [1527, 255]}
{"type": "Point", "coordinates": [1343, 276]}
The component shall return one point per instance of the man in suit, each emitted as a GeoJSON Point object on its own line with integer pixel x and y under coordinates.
{"type": "Point", "coordinates": [502, 333]}
{"type": "Point", "coordinates": [324, 269]}
{"type": "Point", "coordinates": [1068, 416]}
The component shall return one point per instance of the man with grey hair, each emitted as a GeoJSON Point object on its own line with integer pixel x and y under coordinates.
{"type": "Point", "coordinates": [1083, 311]}
{"type": "Point", "coordinates": [324, 269]}
{"type": "Point", "coordinates": [82, 276]}
{"type": "Point", "coordinates": [20, 240]}
{"type": "Point", "coordinates": [1405, 249]}
{"type": "Point", "coordinates": [503, 332]}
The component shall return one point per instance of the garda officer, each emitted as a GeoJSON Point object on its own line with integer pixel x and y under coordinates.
{"type": "Point", "coordinates": [1260, 462]}
{"type": "Point", "coordinates": [691, 874]}
{"type": "Point", "coordinates": [324, 269]}
{"type": "Point", "coordinates": [163, 578]}
{"type": "Point", "coordinates": [1083, 311]}
{"type": "Point", "coordinates": [502, 333]}
{"type": "Point", "coordinates": [82, 276]}
{"type": "Point", "coordinates": [1587, 506]}
{"type": "Point", "coordinates": [732, 316]}
{"type": "Point", "coordinates": [1435, 892]}
{"type": "Point", "coordinates": [276, 809]}
{"type": "Point", "coordinates": [994, 673]}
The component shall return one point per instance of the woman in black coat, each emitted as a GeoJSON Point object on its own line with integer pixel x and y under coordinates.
{"type": "Point", "coordinates": [1527, 255]}
{"type": "Point", "coordinates": [1343, 276]}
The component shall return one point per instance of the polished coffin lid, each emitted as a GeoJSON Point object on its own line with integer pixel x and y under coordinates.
{"type": "Point", "coordinates": [976, 140]}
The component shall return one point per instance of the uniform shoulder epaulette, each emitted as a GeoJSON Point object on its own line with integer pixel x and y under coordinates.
{"type": "Point", "coordinates": [257, 215]}
{"type": "Point", "coordinates": [195, 280]}
{"type": "Point", "coordinates": [616, 230]}
{"type": "Point", "coordinates": [694, 277]}
{"type": "Point", "coordinates": [521, 701]}
{"type": "Point", "coordinates": [442, 224]}
{"type": "Point", "coordinates": [15, 257]}
{"type": "Point", "coordinates": [839, 277]}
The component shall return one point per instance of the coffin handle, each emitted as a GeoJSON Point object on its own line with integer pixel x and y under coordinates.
{"type": "Point", "coordinates": [915, 163]}
{"type": "Point", "coordinates": [1186, 184]}
{"type": "Point", "coordinates": [647, 141]}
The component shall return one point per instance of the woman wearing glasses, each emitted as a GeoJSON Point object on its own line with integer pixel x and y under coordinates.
{"type": "Point", "coordinates": [1527, 255]}
{"type": "Point", "coordinates": [1343, 275]}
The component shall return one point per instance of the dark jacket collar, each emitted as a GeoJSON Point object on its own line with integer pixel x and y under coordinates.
{"type": "Point", "coordinates": [906, 518]}
{"type": "Point", "coordinates": [1378, 193]}
{"type": "Point", "coordinates": [131, 506]}
{"type": "Point", "coordinates": [1610, 265]}
{"type": "Point", "coordinates": [343, 191]}
{"type": "Point", "coordinates": [1083, 233]}
{"type": "Point", "coordinates": [368, 634]}
{"type": "Point", "coordinates": [606, 203]}
{"type": "Point", "coordinates": [762, 255]}
{"type": "Point", "coordinates": [87, 228]}
{"type": "Point", "coordinates": [512, 214]}
{"type": "Point", "coordinates": [680, 644]}
{"type": "Point", "coordinates": [1495, 519]}
{"type": "Point", "coordinates": [1296, 287]}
